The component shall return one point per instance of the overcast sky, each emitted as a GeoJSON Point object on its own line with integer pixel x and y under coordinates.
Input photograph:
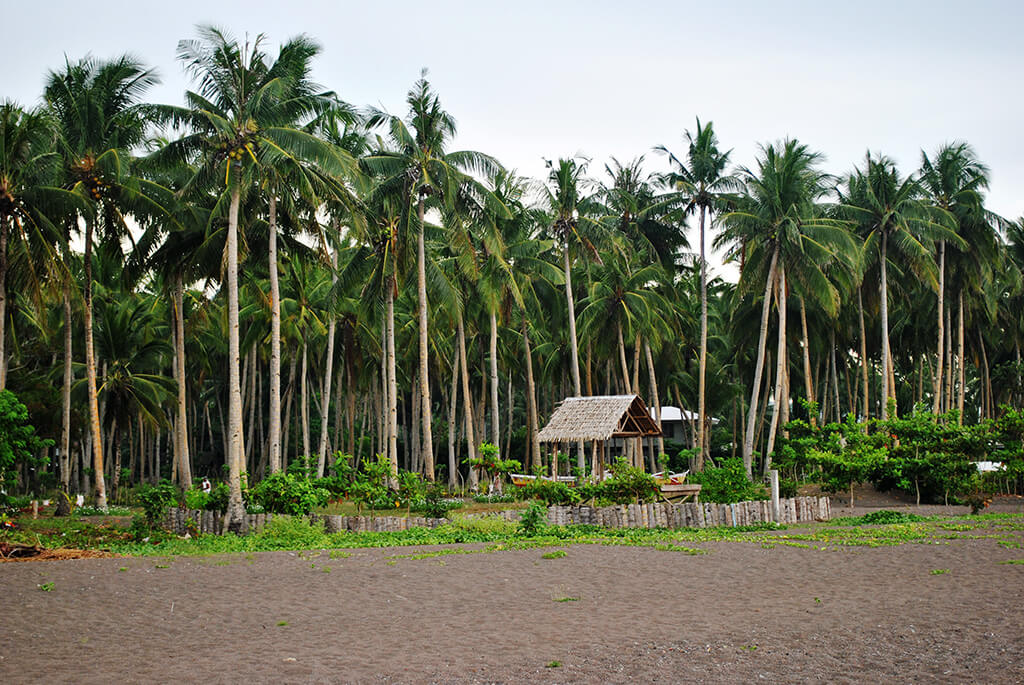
{"type": "Point", "coordinates": [533, 80]}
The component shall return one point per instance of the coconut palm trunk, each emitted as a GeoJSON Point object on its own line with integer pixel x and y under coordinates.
{"type": "Point", "coordinates": [236, 508]}
{"type": "Point", "coordinates": [781, 357]}
{"type": "Point", "coordinates": [808, 381]}
{"type": "Point", "coordinates": [304, 400]}
{"type": "Point", "coordinates": [703, 362]}
{"type": "Point", "coordinates": [325, 397]}
{"type": "Point", "coordinates": [65, 432]}
{"type": "Point", "coordinates": [274, 431]}
{"type": "Point", "coordinates": [531, 399]}
{"type": "Point", "coordinates": [90, 374]}
{"type": "Point", "coordinates": [453, 399]}
{"type": "Point", "coordinates": [392, 382]}
{"type": "Point", "coordinates": [421, 289]}
{"type": "Point", "coordinates": [937, 399]}
{"type": "Point", "coordinates": [885, 330]}
{"type": "Point", "coordinates": [574, 355]}
{"type": "Point", "coordinates": [181, 423]}
{"type": "Point", "coordinates": [762, 343]}
{"type": "Point", "coordinates": [495, 430]}
{"type": "Point", "coordinates": [960, 358]}
{"type": "Point", "coordinates": [863, 356]}
{"type": "Point", "coordinates": [655, 398]}
{"type": "Point", "coordinates": [467, 405]}
{"type": "Point", "coordinates": [3, 305]}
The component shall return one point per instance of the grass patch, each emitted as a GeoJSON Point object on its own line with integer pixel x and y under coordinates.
{"type": "Point", "coordinates": [46, 587]}
{"type": "Point", "coordinates": [939, 571]}
{"type": "Point", "coordinates": [553, 664]}
{"type": "Point", "coordinates": [281, 624]}
{"type": "Point", "coordinates": [876, 518]}
{"type": "Point", "coordinates": [557, 554]}
{"type": "Point", "coordinates": [1013, 561]}
{"type": "Point", "coordinates": [567, 599]}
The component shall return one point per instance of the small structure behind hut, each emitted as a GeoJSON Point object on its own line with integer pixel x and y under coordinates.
{"type": "Point", "coordinates": [597, 420]}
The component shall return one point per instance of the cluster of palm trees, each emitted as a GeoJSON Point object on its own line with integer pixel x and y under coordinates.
{"type": "Point", "coordinates": [408, 287]}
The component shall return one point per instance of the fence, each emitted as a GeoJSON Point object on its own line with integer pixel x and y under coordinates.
{"type": "Point", "coordinates": [664, 515]}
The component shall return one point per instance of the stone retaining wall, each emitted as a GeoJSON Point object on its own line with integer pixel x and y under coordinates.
{"type": "Point", "coordinates": [661, 514]}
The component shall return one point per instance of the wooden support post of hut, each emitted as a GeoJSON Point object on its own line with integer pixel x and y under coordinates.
{"type": "Point", "coordinates": [598, 419]}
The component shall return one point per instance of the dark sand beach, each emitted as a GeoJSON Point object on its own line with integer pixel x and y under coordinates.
{"type": "Point", "coordinates": [740, 613]}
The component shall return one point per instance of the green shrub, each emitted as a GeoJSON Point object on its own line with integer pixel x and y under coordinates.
{"type": "Point", "coordinates": [534, 519]}
{"type": "Point", "coordinates": [629, 484]}
{"type": "Point", "coordinates": [550, 492]}
{"type": "Point", "coordinates": [156, 500]}
{"type": "Point", "coordinates": [727, 483]}
{"type": "Point", "coordinates": [434, 505]}
{"type": "Point", "coordinates": [18, 442]}
{"type": "Point", "coordinates": [286, 493]}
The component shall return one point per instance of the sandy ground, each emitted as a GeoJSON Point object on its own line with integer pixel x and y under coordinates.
{"type": "Point", "coordinates": [741, 613]}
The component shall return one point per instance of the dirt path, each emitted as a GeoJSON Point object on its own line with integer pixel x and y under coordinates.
{"type": "Point", "coordinates": [736, 614]}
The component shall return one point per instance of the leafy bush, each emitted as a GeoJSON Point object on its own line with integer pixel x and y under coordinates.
{"type": "Point", "coordinates": [18, 442]}
{"type": "Point", "coordinates": [533, 520]}
{"type": "Point", "coordinates": [550, 492]}
{"type": "Point", "coordinates": [195, 498]}
{"type": "Point", "coordinates": [727, 483]}
{"type": "Point", "coordinates": [156, 500]}
{"type": "Point", "coordinates": [370, 487]}
{"type": "Point", "coordinates": [629, 484]}
{"type": "Point", "coordinates": [434, 505]}
{"type": "Point", "coordinates": [286, 493]}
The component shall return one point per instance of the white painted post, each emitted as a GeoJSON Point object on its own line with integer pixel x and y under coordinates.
{"type": "Point", "coordinates": [773, 476]}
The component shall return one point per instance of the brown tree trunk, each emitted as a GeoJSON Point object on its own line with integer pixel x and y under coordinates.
{"type": "Point", "coordinates": [467, 404]}
{"type": "Point", "coordinates": [808, 384]}
{"type": "Point", "coordinates": [181, 423]}
{"type": "Point", "coordinates": [421, 288]}
{"type": "Point", "coordinates": [748, 443]}
{"type": "Point", "coordinates": [780, 370]}
{"type": "Point", "coordinates": [960, 357]}
{"type": "Point", "coordinates": [275, 342]}
{"type": "Point", "coordinates": [531, 400]}
{"type": "Point", "coordinates": [236, 508]}
{"type": "Point", "coordinates": [65, 432]}
{"type": "Point", "coordinates": [90, 373]}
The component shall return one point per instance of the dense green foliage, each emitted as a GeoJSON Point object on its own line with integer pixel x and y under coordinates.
{"type": "Point", "coordinates": [19, 444]}
{"type": "Point", "coordinates": [931, 457]}
{"type": "Point", "coordinates": [727, 483]}
{"type": "Point", "coordinates": [307, 278]}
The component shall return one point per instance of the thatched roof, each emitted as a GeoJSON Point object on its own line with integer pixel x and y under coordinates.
{"type": "Point", "coordinates": [599, 418]}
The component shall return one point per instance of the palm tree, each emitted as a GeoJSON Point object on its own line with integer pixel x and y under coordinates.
{"type": "Point", "coordinates": [422, 167]}
{"type": "Point", "coordinates": [100, 118]}
{"type": "Point", "coordinates": [892, 216]}
{"type": "Point", "coordinates": [953, 181]}
{"type": "Point", "coordinates": [240, 121]}
{"type": "Point", "coordinates": [702, 180]}
{"type": "Point", "coordinates": [778, 227]}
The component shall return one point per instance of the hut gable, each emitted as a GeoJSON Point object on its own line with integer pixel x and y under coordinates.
{"type": "Point", "coordinates": [599, 418]}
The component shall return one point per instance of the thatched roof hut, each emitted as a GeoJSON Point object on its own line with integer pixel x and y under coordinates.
{"type": "Point", "coordinates": [602, 417]}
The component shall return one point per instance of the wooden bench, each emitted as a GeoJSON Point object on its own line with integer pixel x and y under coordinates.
{"type": "Point", "coordinates": [683, 491]}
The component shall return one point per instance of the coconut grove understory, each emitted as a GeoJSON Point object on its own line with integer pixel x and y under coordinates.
{"type": "Point", "coordinates": [266, 278]}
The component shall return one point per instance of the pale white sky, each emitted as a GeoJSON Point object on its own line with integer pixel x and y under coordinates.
{"type": "Point", "coordinates": [533, 80]}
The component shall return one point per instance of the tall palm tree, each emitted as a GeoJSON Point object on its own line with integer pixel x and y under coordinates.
{"type": "Point", "coordinates": [953, 181]}
{"type": "Point", "coordinates": [702, 180]}
{"type": "Point", "coordinates": [427, 172]}
{"type": "Point", "coordinates": [892, 216]}
{"type": "Point", "coordinates": [100, 118]}
{"type": "Point", "coordinates": [778, 227]}
{"type": "Point", "coordinates": [240, 121]}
